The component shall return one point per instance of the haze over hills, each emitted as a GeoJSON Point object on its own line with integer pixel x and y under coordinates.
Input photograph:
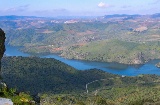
{"type": "Point", "coordinates": [16, 17]}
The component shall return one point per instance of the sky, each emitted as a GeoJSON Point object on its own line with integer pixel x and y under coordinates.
{"type": "Point", "coordinates": [53, 8]}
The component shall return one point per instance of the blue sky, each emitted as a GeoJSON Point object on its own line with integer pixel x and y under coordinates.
{"type": "Point", "coordinates": [51, 8]}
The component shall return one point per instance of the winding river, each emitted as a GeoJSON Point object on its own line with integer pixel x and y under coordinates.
{"type": "Point", "coordinates": [115, 68]}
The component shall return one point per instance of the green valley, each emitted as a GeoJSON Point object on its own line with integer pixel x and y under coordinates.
{"type": "Point", "coordinates": [80, 52]}
{"type": "Point", "coordinates": [130, 41]}
{"type": "Point", "coordinates": [56, 83]}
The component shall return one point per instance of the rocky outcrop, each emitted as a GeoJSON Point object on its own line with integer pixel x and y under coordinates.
{"type": "Point", "coordinates": [2, 46]}
{"type": "Point", "coordinates": [158, 65]}
{"type": "Point", "coordinates": [2, 50]}
{"type": "Point", "coordinates": [139, 59]}
{"type": "Point", "coordinates": [3, 101]}
{"type": "Point", "coordinates": [2, 41]}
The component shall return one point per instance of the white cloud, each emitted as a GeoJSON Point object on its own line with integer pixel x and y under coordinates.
{"type": "Point", "coordinates": [54, 12]}
{"type": "Point", "coordinates": [17, 9]}
{"type": "Point", "coordinates": [126, 6]}
{"type": "Point", "coordinates": [103, 5]}
{"type": "Point", "coordinates": [156, 1]}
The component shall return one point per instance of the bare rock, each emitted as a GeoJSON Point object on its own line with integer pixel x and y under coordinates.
{"type": "Point", "coordinates": [2, 41]}
{"type": "Point", "coordinates": [5, 101]}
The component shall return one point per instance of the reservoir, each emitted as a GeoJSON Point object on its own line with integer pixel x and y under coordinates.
{"type": "Point", "coordinates": [114, 68]}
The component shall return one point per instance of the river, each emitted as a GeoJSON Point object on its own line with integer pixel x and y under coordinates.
{"type": "Point", "coordinates": [114, 68]}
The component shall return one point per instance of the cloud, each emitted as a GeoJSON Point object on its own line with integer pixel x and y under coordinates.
{"type": "Point", "coordinates": [125, 6]}
{"type": "Point", "coordinates": [17, 9]}
{"type": "Point", "coordinates": [155, 2]}
{"type": "Point", "coordinates": [54, 12]}
{"type": "Point", "coordinates": [23, 8]}
{"type": "Point", "coordinates": [103, 5]}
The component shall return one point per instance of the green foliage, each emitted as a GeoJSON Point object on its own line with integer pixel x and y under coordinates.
{"type": "Point", "coordinates": [115, 51]}
{"type": "Point", "coordinates": [46, 75]}
{"type": "Point", "coordinates": [59, 84]}
{"type": "Point", "coordinates": [124, 95]}
{"type": "Point", "coordinates": [106, 40]}
{"type": "Point", "coordinates": [17, 98]}
{"type": "Point", "coordinates": [129, 41]}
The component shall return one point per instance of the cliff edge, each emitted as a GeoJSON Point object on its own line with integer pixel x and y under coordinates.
{"type": "Point", "coordinates": [2, 46]}
{"type": "Point", "coordinates": [2, 43]}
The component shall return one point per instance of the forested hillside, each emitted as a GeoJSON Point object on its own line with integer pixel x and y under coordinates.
{"type": "Point", "coordinates": [39, 75]}
{"type": "Point", "coordinates": [57, 83]}
{"type": "Point", "coordinates": [115, 51]}
{"type": "Point", "coordinates": [74, 38]}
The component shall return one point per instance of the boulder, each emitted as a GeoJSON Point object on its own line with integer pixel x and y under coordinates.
{"type": "Point", "coordinates": [5, 101]}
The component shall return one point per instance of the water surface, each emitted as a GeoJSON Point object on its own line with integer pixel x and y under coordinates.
{"type": "Point", "coordinates": [115, 68]}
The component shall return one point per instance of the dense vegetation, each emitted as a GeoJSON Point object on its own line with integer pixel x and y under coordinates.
{"type": "Point", "coordinates": [131, 40]}
{"type": "Point", "coordinates": [59, 84]}
{"type": "Point", "coordinates": [18, 98]}
{"type": "Point", "coordinates": [38, 75]}
{"type": "Point", "coordinates": [129, 95]}
{"type": "Point", "coordinates": [137, 36]}
{"type": "Point", "coordinates": [115, 51]}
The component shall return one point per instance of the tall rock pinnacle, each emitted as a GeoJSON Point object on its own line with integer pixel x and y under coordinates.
{"type": "Point", "coordinates": [2, 46]}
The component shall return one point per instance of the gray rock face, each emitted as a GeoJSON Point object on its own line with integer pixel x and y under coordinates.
{"type": "Point", "coordinates": [2, 41]}
{"type": "Point", "coordinates": [2, 46]}
{"type": "Point", "coordinates": [5, 101]}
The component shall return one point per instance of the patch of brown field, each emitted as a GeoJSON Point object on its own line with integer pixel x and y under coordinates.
{"type": "Point", "coordinates": [88, 32]}
{"type": "Point", "coordinates": [81, 44]}
{"type": "Point", "coordinates": [44, 31]}
{"type": "Point", "coordinates": [80, 33]}
{"type": "Point", "coordinates": [152, 38]}
{"type": "Point", "coordinates": [56, 49]}
{"type": "Point", "coordinates": [155, 36]}
{"type": "Point", "coordinates": [71, 32]}
{"type": "Point", "coordinates": [33, 24]}
{"type": "Point", "coordinates": [39, 47]}
{"type": "Point", "coordinates": [47, 32]}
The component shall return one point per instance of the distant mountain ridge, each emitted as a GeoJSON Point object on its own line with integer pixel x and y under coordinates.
{"type": "Point", "coordinates": [121, 15]}
{"type": "Point", "coordinates": [80, 38]}
{"type": "Point", "coordinates": [156, 15]}
{"type": "Point", "coordinates": [14, 17]}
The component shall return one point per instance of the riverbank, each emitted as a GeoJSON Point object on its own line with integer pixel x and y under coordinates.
{"type": "Point", "coordinates": [112, 67]}
{"type": "Point", "coordinates": [104, 51]}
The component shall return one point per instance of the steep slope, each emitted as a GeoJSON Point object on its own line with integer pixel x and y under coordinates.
{"type": "Point", "coordinates": [2, 41]}
{"type": "Point", "coordinates": [38, 75]}
{"type": "Point", "coordinates": [115, 51]}
{"type": "Point", "coordinates": [56, 82]}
